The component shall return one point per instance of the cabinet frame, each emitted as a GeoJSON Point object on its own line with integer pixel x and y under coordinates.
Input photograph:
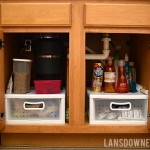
{"type": "Point", "coordinates": [77, 34]}
{"type": "Point", "coordinates": [2, 86]}
{"type": "Point", "coordinates": [36, 14]}
{"type": "Point", "coordinates": [117, 14]}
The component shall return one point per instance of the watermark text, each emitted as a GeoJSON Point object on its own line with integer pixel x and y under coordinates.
{"type": "Point", "coordinates": [145, 143]}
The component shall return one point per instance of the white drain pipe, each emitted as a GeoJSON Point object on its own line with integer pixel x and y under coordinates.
{"type": "Point", "coordinates": [98, 56]}
{"type": "Point", "coordinates": [106, 39]}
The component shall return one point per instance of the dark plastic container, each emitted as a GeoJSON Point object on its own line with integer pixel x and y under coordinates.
{"type": "Point", "coordinates": [50, 58]}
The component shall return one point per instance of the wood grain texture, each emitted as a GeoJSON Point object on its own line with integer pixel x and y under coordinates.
{"type": "Point", "coordinates": [36, 14]}
{"type": "Point", "coordinates": [2, 86]}
{"type": "Point", "coordinates": [130, 21]}
{"type": "Point", "coordinates": [97, 14]}
{"type": "Point", "coordinates": [67, 140]}
{"type": "Point", "coordinates": [76, 129]}
{"type": "Point", "coordinates": [77, 67]}
{"type": "Point", "coordinates": [148, 124]}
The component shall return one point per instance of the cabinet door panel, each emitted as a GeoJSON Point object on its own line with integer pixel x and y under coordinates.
{"type": "Point", "coordinates": [117, 14]}
{"type": "Point", "coordinates": [51, 14]}
{"type": "Point", "coordinates": [2, 123]}
{"type": "Point", "coordinates": [148, 74]}
{"type": "Point", "coordinates": [149, 88]}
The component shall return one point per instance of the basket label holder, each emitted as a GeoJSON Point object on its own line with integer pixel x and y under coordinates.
{"type": "Point", "coordinates": [120, 106]}
{"type": "Point", "coordinates": [34, 105]}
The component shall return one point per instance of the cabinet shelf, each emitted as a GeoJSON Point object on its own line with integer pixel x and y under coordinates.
{"type": "Point", "coordinates": [76, 129]}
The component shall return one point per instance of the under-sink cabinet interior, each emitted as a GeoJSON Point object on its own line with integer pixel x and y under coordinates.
{"type": "Point", "coordinates": [22, 46]}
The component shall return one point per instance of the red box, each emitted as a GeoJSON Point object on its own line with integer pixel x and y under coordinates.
{"type": "Point", "coordinates": [47, 86]}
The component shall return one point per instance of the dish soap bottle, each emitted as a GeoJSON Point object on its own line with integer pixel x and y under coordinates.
{"type": "Point", "coordinates": [127, 68]}
{"type": "Point", "coordinates": [132, 77]}
{"type": "Point", "coordinates": [109, 76]}
{"type": "Point", "coordinates": [122, 85]}
{"type": "Point", "coordinates": [116, 58]}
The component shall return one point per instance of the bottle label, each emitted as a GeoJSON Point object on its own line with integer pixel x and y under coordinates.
{"type": "Point", "coordinates": [97, 83]}
{"type": "Point", "coordinates": [98, 72]}
{"type": "Point", "coordinates": [97, 77]}
{"type": "Point", "coordinates": [109, 77]}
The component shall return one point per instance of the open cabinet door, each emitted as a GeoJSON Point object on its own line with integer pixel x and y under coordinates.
{"type": "Point", "coordinates": [149, 108]}
{"type": "Point", "coordinates": [148, 83]}
{"type": "Point", "coordinates": [149, 91]}
{"type": "Point", "coordinates": [2, 90]}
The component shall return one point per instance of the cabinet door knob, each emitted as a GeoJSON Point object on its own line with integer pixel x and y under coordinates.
{"type": "Point", "coordinates": [2, 114]}
{"type": "Point", "coordinates": [1, 43]}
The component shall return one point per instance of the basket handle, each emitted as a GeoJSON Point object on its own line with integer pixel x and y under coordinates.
{"type": "Point", "coordinates": [33, 105]}
{"type": "Point", "coordinates": [120, 106]}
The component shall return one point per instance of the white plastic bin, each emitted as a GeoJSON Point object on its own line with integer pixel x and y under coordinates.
{"type": "Point", "coordinates": [35, 109]}
{"type": "Point", "coordinates": [114, 108]}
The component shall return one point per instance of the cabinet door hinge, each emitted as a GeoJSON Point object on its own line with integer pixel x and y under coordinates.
{"type": "Point", "coordinates": [1, 43]}
{"type": "Point", "coordinates": [2, 114]}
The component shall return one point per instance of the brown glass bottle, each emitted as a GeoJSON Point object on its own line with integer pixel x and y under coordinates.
{"type": "Point", "coordinates": [109, 76]}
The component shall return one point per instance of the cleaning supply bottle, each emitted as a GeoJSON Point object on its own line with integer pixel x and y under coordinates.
{"type": "Point", "coordinates": [109, 76]}
{"type": "Point", "coordinates": [127, 67]}
{"type": "Point", "coordinates": [116, 58]}
{"type": "Point", "coordinates": [122, 85]}
{"type": "Point", "coordinates": [132, 77]}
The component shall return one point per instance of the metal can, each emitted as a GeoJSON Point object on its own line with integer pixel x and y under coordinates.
{"type": "Point", "coordinates": [97, 78]}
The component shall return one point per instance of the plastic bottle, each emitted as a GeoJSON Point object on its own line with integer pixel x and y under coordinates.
{"type": "Point", "coordinates": [109, 76]}
{"type": "Point", "coordinates": [127, 67]}
{"type": "Point", "coordinates": [97, 78]}
{"type": "Point", "coordinates": [116, 58]}
{"type": "Point", "coordinates": [132, 77]}
{"type": "Point", "coordinates": [122, 86]}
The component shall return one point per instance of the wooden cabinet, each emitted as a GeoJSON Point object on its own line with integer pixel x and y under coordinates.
{"type": "Point", "coordinates": [97, 14]}
{"type": "Point", "coordinates": [41, 14]}
{"type": "Point", "coordinates": [2, 91]}
{"type": "Point", "coordinates": [77, 19]}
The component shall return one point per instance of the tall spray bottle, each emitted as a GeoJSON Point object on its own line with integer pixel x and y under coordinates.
{"type": "Point", "coordinates": [127, 68]}
{"type": "Point", "coordinates": [132, 77]}
{"type": "Point", "coordinates": [116, 59]}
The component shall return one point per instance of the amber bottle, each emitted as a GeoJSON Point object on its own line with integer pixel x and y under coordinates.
{"type": "Point", "coordinates": [109, 76]}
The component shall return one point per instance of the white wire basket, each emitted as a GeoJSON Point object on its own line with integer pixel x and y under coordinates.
{"type": "Point", "coordinates": [109, 108]}
{"type": "Point", "coordinates": [35, 108]}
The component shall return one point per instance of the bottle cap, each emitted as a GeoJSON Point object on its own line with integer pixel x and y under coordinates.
{"type": "Point", "coordinates": [110, 60]}
{"type": "Point", "coordinates": [134, 87]}
{"type": "Point", "coordinates": [126, 57]}
{"type": "Point", "coordinates": [131, 63]}
{"type": "Point", "coordinates": [116, 57]}
{"type": "Point", "coordinates": [121, 63]}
